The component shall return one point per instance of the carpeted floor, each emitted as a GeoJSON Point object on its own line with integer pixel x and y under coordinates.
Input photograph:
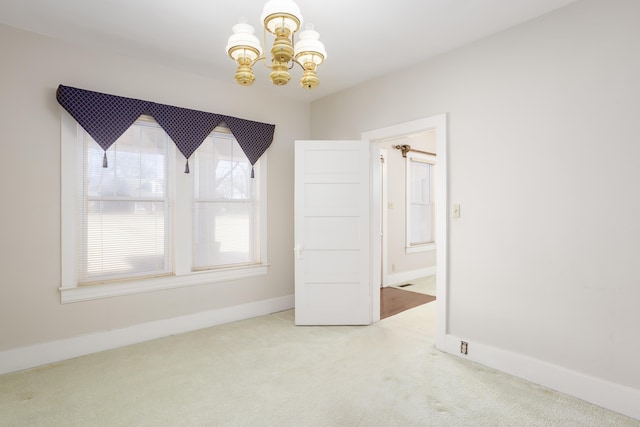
{"type": "Point", "coordinates": [267, 372]}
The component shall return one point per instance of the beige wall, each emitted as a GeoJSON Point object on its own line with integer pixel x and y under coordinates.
{"type": "Point", "coordinates": [32, 68]}
{"type": "Point", "coordinates": [543, 151]}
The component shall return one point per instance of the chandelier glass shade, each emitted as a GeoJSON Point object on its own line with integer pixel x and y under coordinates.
{"type": "Point", "coordinates": [282, 19]}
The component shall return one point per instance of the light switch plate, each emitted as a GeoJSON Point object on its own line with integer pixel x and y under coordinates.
{"type": "Point", "coordinates": [456, 211]}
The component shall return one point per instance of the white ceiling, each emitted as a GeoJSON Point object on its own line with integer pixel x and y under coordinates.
{"type": "Point", "coordinates": [363, 38]}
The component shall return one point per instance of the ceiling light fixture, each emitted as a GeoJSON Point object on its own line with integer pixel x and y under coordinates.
{"type": "Point", "coordinates": [282, 18]}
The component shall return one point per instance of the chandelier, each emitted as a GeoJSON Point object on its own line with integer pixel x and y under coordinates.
{"type": "Point", "coordinates": [281, 18]}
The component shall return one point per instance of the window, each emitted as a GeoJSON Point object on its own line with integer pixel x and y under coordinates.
{"type": "Point", "coordinates": [420, 170]}
{"type": "Point", "coordinates": [123, 210]}
{"type": "Point", "coordinates": [142, 224]}
{"type": "Point", "coordinates": [226, 220]}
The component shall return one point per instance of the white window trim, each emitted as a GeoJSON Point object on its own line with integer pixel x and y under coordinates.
{"type": "Point", "coordinates": [425, 247]}
{"type": "Point", "coordinates": [420, 248]}
{"type": "Point", "coordinates": [182, 229]}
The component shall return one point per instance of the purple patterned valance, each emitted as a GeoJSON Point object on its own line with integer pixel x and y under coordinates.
{"type": "Point", "coordinates": [106, 117]}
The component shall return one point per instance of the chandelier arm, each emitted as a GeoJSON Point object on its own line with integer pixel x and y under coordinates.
{"type": "Point", "coordinates": [293, 46]}
{"type": "Point", "coordinates": [264, 55]}
{"type": "Point", "coordinates": [259, 58]}
{"type": "Point", "coordinates": [264, 43]}
{"type": "Point", "coordinates": [263, 58]}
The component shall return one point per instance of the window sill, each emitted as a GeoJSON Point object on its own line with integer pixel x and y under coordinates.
{"type": "Point", "coordinates": [108, 290]}
{"type": "Point", "coordinates": [420, 248]}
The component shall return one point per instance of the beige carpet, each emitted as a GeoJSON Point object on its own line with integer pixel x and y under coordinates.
{"type": "Point", "coordinates": [267, 372]}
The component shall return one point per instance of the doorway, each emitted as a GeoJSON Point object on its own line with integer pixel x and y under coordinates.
{"type": "Point", "coordinates": [438, 124]}
{"type": "Point", "coordinates": [408, 166]}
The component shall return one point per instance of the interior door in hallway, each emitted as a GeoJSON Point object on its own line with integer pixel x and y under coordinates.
{"type": "Point", "coordinates": [332, 251]}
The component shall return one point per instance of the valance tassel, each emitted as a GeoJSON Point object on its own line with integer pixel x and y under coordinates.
{"type": "Point", "coordinates": [252, 174]}
{"type": "Point", "coordinates": [105, 164]}
{"type": "Point", "coordinates": [186, 167]}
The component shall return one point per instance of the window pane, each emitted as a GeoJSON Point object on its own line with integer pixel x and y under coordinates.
{"type": "Point", "coordinates": [420, 182]}
{"type": "Point", "coordinates": [123, 209]}
{"type": "Point", "coordinates": [124, 238]}
{"type": "Point", "coordinates": [136, 165]}
{"type": "Point", "coordinates": [222, 170]}
{"type": "Point", "coordinates": [420, 224]}
{"type": "Point", "coordinates": [420, 212]}
{"type": "Point", "coordinates": [225, 233]}
{"type": "Point", "coordinates": [225, 220]}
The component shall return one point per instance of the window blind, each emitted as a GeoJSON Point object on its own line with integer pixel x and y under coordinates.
{"type": "Point", "coordinates": [124, 209]}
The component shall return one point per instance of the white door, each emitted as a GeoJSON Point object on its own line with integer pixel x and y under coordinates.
{"type": "Point", "coordinates": [332, 251]}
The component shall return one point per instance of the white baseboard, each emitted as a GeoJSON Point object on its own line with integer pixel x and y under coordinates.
{"type": "Point", "coordinates": [407, 276]}
{"type": "Point", "coordinates": [609, 395]}
{"type": "Point", "coordinates": [55, 351]}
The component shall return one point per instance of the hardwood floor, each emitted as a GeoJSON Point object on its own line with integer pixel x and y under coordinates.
{"type": "Point", "coordinates": [394, 301]}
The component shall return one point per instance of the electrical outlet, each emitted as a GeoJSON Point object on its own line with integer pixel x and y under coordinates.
{"type": "Point", "coordinates": [464, 347]}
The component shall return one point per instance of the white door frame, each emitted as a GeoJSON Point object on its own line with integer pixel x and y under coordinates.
{"type": "Point", "coordinates": [384, 226]}
{"type": "Point", "coordinates": [439, 123]}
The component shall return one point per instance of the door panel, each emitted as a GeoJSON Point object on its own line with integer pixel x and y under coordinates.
{"type": "Point", "coordinates": [332, 272]}
{"type": "Point", "coordinates": [332, 233]}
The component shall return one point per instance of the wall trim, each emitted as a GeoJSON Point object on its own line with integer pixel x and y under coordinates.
{"type": "Point", "coordinates": [406, 276]}
{"type": "Point", "coordinates": [107, 290]}
{"type": "Point", "coordinates": [420, 248]}
{"type": "Point", "coordinates": [609, 395]}
{"type": "Point", "coordinates": [55, 351]}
